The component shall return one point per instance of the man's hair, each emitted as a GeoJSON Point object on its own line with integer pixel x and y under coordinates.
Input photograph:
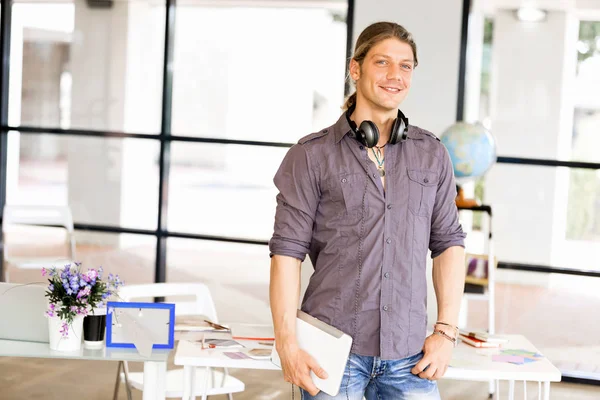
{"type": "Point", "coordinates": [371, 36]}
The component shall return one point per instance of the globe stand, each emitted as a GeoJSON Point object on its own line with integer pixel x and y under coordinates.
{"type": "Point", "coordinates": [461, 201]}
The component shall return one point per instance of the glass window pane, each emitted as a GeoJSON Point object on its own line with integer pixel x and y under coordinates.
{"type": "Point", "coordinates": [105, 181]}
{"type": "Point", "coordinates": [76, 64]}
{"type": "Point", "coordinates": [130, 256]}
{"type": "Point", "coordinates": [260, 73]}
{"type": "Point", "coordinates": [237, 275]}
{"type": "Point", "coordinates": [223, 190]}
{"type": "Point", "coordinates": [545, 215]}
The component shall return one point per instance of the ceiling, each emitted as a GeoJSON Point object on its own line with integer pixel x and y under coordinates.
{"type": "Point", "coordinates": [579, 6]}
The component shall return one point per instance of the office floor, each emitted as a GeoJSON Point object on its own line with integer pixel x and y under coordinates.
{"type": "Point", "coordinates": [240, 293]}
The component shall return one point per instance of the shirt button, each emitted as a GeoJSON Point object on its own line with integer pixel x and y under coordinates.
{"type": "Point", "coordinates": [361, 147]}
{"type": "Point", "coordinates": [374, 175]}
{"type": "Point", "coordinates": [387, 275]}
{"type": "Point", "coordinates": [344, 180]}
{"type": "Point", "coordinates": [388, 240]}
{"type": "Point", "coordinates": [389, 207]}
{"type": "Point", "coordinates": [324, 130]}
{"type": "Point", "coordinates": [385, 308]}
{"type": "Point", "coordinates": [426, 180]}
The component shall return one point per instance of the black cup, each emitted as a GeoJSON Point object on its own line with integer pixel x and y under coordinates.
{"type": "Point", "coordinates": [94, 327]}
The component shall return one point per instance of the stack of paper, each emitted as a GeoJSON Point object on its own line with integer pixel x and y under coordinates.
{"type": "Point", "coordinates": [481, 339]}
{"type": "Point", "coordinates": [517, 356]}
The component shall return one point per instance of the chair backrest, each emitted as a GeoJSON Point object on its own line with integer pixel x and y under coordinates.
{"type": "Point", "coordinates": [38, 215]}
{"type": "Point", "coordinates": [202, 304]}
{"type": "Point", "coordinates": [41, 216]}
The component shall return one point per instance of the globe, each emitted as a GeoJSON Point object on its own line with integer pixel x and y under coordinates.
{"type": "Point", "coordinates": [472, 149]}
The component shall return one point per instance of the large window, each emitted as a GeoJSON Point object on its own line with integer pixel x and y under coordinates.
{"type": "Point", "coordinates": [96, 103]}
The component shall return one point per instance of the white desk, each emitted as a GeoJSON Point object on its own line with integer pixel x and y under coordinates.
{"type": "Point", "coordinates": [476, 365]}
{"type": "Point", "coordinates": [155, 367]}
{"type": "Point", "coordinates": [471, 364]}
{"type": "Point", "coordinates": [191, 355]}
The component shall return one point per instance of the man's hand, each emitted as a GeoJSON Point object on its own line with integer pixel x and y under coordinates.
{"type": "Point", "coordinates": [437, 353]}
{"type": "Point", "coordinates": [296, 365]}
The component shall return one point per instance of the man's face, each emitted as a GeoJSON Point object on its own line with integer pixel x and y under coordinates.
{"type": "Point", "coordinates": [384, 79]}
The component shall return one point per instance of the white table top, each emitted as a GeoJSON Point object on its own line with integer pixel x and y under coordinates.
{"type": "Point", "coordinates": [471, 363]}
{"type": "Point", "coordinates": [191, 354]}
{"type": "Point", "coordinates": [15, 348]}
{"type": "Point", "coordinates": [476, 364]}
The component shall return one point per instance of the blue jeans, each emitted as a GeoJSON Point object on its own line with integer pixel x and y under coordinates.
{"type": "Point", "coordinates": [378, 379]}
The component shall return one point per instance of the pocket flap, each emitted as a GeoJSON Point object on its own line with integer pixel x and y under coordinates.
{"type": "Point", "coordinates": [423, 177]}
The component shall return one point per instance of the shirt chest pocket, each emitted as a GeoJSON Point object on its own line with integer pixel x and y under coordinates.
{"type": "Point", "coordinates": [422, 190]}
{"type": "Point", "coordinates": [347, 191]}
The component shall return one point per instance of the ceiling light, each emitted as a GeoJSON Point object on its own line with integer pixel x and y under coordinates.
{"type": "Point", "coordinates": [531, 14]}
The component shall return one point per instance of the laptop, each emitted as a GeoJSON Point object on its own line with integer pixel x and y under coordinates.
{"type": "Point", "coordinates": [23, 307]}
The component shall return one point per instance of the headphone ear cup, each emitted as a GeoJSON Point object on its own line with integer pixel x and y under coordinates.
{"type": "Point", "coordinates": [395, 131]}
{"type": "Point", "coordinates": [369, 133]}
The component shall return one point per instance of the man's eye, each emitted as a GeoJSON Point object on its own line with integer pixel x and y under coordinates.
{"type": "Point", "coordinates": [382, 62]}
{"type": "Point", "coordinates": [407, 66]}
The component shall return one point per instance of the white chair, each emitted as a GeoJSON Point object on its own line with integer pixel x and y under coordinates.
{"type": "Point", "coordinates": [220, 382]}
{"type": "Point", "coordinates": [53, 216]}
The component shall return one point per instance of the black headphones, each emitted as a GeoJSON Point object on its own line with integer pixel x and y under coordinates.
{"type": "Point", "coordinates": [368, 133]}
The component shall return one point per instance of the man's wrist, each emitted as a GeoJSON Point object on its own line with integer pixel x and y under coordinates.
{"type": "Point", "coordinates": [286, 342]}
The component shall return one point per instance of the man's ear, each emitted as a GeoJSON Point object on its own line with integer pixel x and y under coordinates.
{"type": "Point", "coordinates": [354, 70]}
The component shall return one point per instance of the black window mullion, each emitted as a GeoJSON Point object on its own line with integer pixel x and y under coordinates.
{"type": "Point", "coordinates": [5, 24]}
{"type": "Point", "coordinates": [160, 272]}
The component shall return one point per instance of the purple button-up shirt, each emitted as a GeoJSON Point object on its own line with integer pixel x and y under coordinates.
{"type": "Point", "coordinates": [368, 246]}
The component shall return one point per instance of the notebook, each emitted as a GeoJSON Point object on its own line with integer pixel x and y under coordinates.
{"type": "Point", "coordinates": [329, 347]}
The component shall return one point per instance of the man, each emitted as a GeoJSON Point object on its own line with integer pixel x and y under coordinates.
{"type": "Point", "coordinates": [365, 200]}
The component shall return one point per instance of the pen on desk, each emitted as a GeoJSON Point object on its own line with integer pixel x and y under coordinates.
{"type": "Point", "coordinates": [215, 325]}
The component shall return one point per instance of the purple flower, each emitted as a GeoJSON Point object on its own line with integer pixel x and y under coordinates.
{"type": "Point", "coordinates": [92, 274]}
{"type": "Point", "coordinates": [44, 272]}
{"type": "Point", "coordinates": [83, 292]}
{"type": "Point", "coordinates": [64, 330]}
{"type": "Point", "coordinates": [51, 287]}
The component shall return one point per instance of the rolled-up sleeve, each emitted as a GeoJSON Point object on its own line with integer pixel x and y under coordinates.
{"type": "Point", "coordinates": [446, 230]}
{"type": "Point", "coordinates": [297, 203]}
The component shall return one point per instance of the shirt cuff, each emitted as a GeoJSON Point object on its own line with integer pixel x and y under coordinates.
{"type": "Point", "coordinates": [287, 247]}
{"type": "Point", "coordinates": [442, 246]}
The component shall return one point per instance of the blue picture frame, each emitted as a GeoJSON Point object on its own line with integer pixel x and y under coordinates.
{"type": "Point", "coordinates": [160, 306]}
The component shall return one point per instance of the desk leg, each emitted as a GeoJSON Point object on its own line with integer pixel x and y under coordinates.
{"type": "Point", "coordinates": [189, 382]}
{"type": "Point", "coordinates": [524, 390]}
{"type": "Point", "coordinates": [155, 380]}
{"type": "Point", "coordinates": [539, 390]}
{"type": "Point", "coordinates": [511, 390]}
{"type": "Point", "coordinates": [208, 374]}
{"type": "Point", "coordinates": [546, 390]}
{"type": "Point", "coordinates": [492, 389]}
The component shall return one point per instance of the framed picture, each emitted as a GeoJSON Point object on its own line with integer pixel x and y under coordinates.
{"type": "Point", "coordinates": [140, 325]}
{"type": "Point", "coordinates": [477, 267]}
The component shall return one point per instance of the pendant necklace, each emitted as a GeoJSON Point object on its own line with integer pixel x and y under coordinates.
{"type": "Point", "coordinates": [377, 155]}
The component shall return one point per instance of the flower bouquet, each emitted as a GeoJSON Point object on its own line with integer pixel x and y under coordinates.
{"type": "Point", "coordinates": [73, 294]}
